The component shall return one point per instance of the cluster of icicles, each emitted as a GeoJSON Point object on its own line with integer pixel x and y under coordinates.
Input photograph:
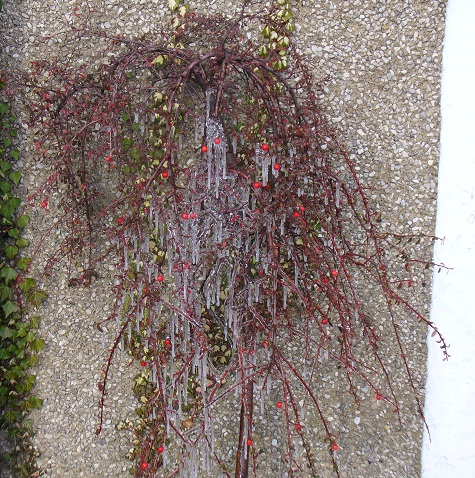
{"type": "Point", "coordinates": [208, 235]}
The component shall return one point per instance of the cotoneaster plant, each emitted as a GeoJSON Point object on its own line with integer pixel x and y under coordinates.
{"type": "Point", "coordinates": [245, 242]}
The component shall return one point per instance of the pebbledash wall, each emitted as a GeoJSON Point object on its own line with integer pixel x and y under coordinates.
{"type": "Point", "coordinates": [382, 62]}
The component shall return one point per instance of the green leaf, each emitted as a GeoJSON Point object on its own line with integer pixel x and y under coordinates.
{"type": "Point", "coordinates": [5, 186]}
{"type": "Point", "coordinates": [5, 293]}
{"type": "Point", "coordinates": [22, 221]}
{"type": "Point", "coordinates": [7, 142]}
{"type": "Point", "coordinates": [15, 233]}
{"type": "Point", "coordinates": [9, 308]}
{"type": "Point", "coordinates": [125, 117]}
{"type": "Point", "coordinates": [22, 242]}
{"type": "Point", "coordinates": [23, 263]}
{"type": "Point", "coordinates": [15, 176]}
{"type": "Point", "coordinates": [6, 332]}
{"type": "Point", "coordinates": [7, 211]}
{"type": "Point", "coordinates": [4, 108]}
{"type": "Point", "coordinates": [27, 284]}
{"type": "Point", "coordinates": [5, 166]}
{"type": "Point", "coordinates": [15, 154]}
{"type": "Point", "coordinates": [37, 345]}
{"type": "Point", "coordinates": [4, 354]}
{"type": "Point", "coordinates": [32, 360]}
{"type": "Point", "coordinates": [30, 336]}
{"type": "Point", "coordinates": [14, 202]}
{"type": "Point", "coordinates": [36, 296]}
{"type": "Point", "coordinates": [10, 416]}
{"type": "Point", "coordinates": [8, 274]}
{"type": "Point", "coordinates": [11, 251]}
{"type": "Point", "coordinates": [35, 402]}
{"type": "Point", "coordinates": [34, 322]}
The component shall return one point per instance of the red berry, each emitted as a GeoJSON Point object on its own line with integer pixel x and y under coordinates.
{"type": "Point", "coordinates": [257, 185]}
{"type": "Point", "coordinates": [44, 204]}
{"type": "Point", "coordinates": [335, 446]}
{"type": "Point", "coordinates": [324, 321]}
{"type": "Point", "coordinates": [160, 278]}
{"type": "Point", "coordinates": [184, 216]}
{"type": "Point", "coordinates": [120, 220]}
{"type": "Point", "coordinates": [302, 208]}
{"type": "Point", "coordinates": [325, 280]}
{"type": "Point", "coordinates": [217, 141]}
{"type": "Point", "coordinates": [279, 405]}
{"type": "Point", "coordinates": [249, 442]}
{"type": "Point", "coordinates": [160, 449]}
{"type": "Point", "coordinates": [296, 214]}
{"type": "Point", "coordinates": [164, 175]}
{"type": "Point", "coordinates": [192, 215]}
{"type": "Point", "coordinates": [266, 187]}
{"type": "Point", "coordinates": [143, 363]}
{"type": "Point", "coordinates": [108, 159]}
{"type": "Point", "coordinates": [204, 148]}
{"type": "Point", "coordinates": [298, 427]}
{"type": "Point", "coordinates": [334, 273]}
{"type": "Point", "coordinates": [168, 342]}
{"type": "Point", "coordinates": [277, 166]}
{"type": "Point", "coordinates": [265, 147]}
{"type": "Point", "coordinates": [378, 397]}
{"type": "Point", "coordinates": [144, 465]}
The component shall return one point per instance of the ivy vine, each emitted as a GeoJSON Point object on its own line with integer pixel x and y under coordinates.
{"type": "Point", "coordinates": [19, 346]}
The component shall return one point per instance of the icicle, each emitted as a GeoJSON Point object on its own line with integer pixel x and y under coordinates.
{"type": "Point", "coordinates": [296, 275]}
{"type": "Point", "coordinates": [126, 258]}
{"type": "Point", "coordinates": [234, 144]}
{"type": "Point", "coordinates": [197, 129]}
{"type": "Point", "coordinates": [282, 225]}
{"type": "Point", "coordinates": [268, 384]}
{"type": "Point", "coordinates": [209, 171]}
{"type": "Point", "coordinates": [285, 293]}
{"type": "Point", "coordinates": [208, 103]}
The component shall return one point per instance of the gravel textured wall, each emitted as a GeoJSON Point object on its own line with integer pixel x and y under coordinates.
{"type": "Point", "coordinates": [381, 60]}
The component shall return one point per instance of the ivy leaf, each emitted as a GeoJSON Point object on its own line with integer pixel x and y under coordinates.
{"type": "Point", "coordinates": [15, 233]}
{"type": "Point", "coordinates": [10, 308]}
{"type": "Point", "coordinates": [14, 202]}
{"type": "Point", "coordinates": [5, 332]}
{"type": "Point", "coordinates": [4, 108]}
{"type": "Point", "coordinates": [23, 263]}
{"type": "Point", "coordinates": [5, 293]}
{"type": "Point", "coordinates": [22, 242]}
{"type": "Point", "coordinates": [32, 360]}
{"type": "Point", "coordinates": [8, 274]}
{"type": "Point", "coordinates": [34, 322]}
{"type": "Point", "coordinates": [5, 166]}
{"type": "Point", "coordinates": [36, 296]}
{"type": "Point", "coordinates": [27, 284]}
{"type": "Point", "coordinates": [35, 402]}
{"type": "Point", "coordinates": [22, 221]}
{"type": "Point", "coordinates": [37, 345]}
{"type": "Point", "coordinates": [4, 354]}
{"type": "Point", "coordinates": [10, 416]}
{"type": "Point", "coordinates": [5, 186]}
{"type": "Point", "coordinates": [15, 154]}
{"type": "Point", "coordinates": [11, 251]}
{"type": "Point", "coordinates": [15, 177]}
{"type": "Point", "coordinates": [7, 142]}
